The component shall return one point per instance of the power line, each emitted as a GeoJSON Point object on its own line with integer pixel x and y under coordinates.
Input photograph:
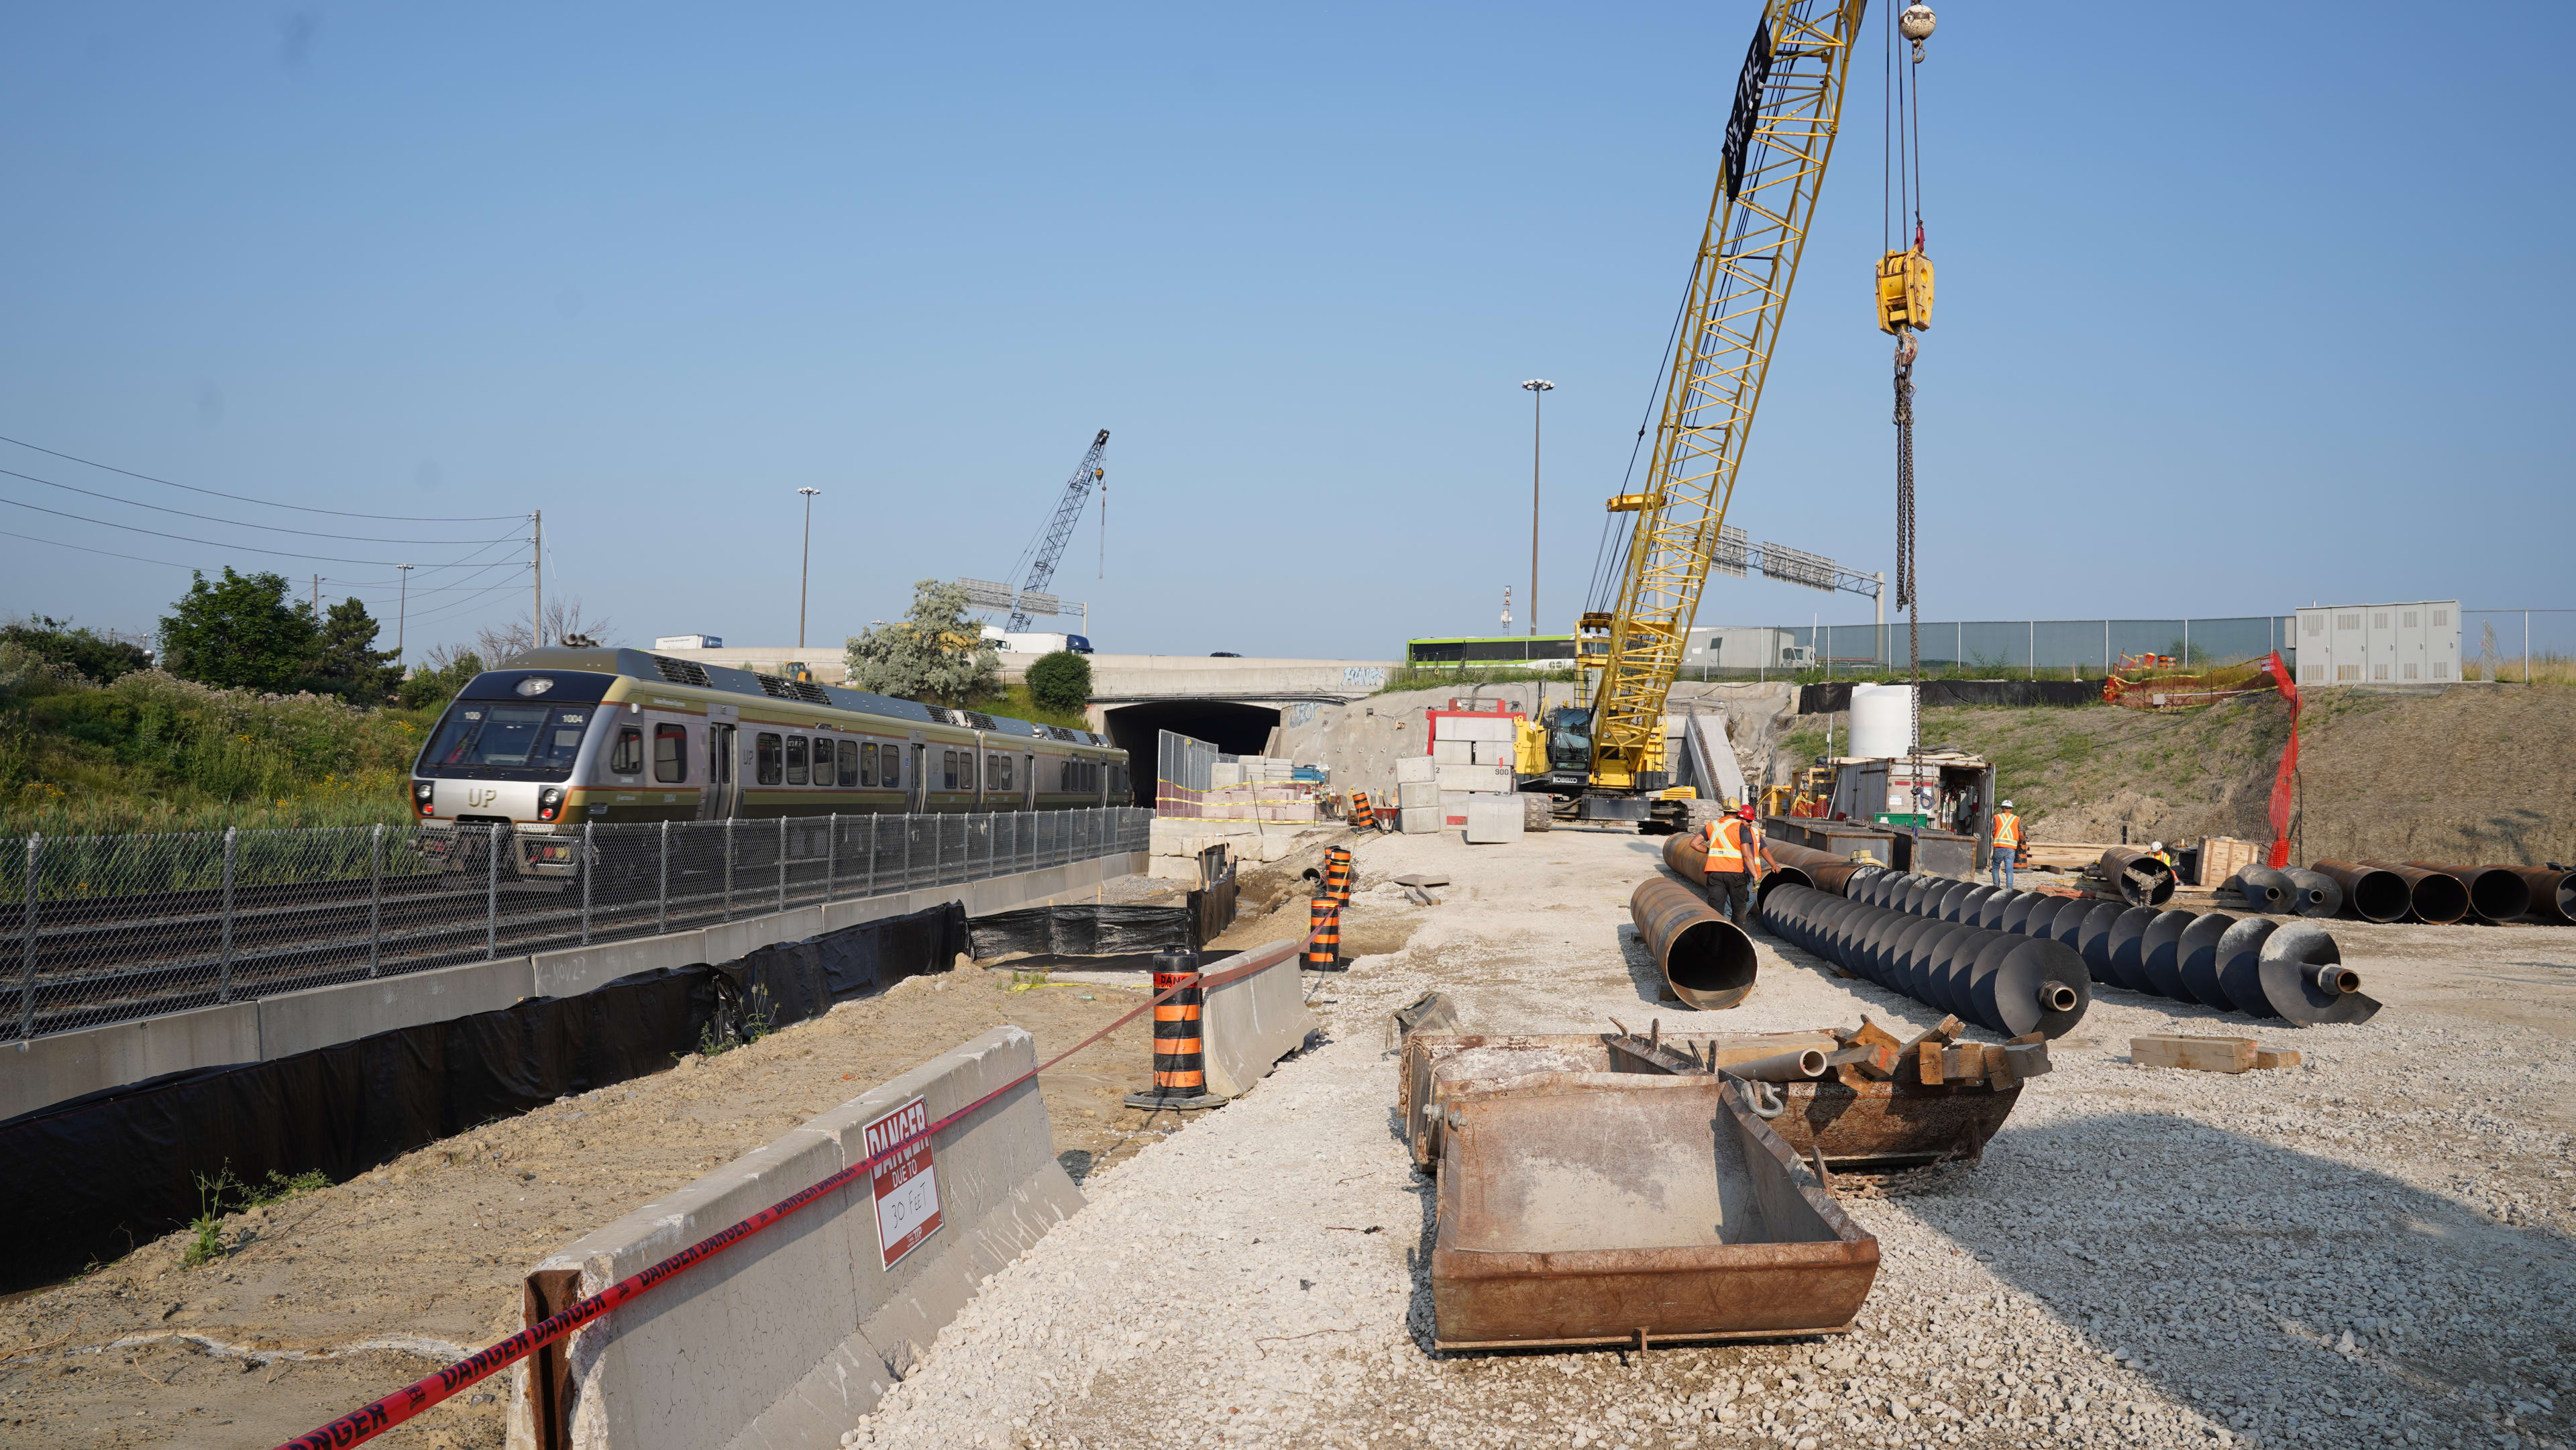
{"type": "Point", "coordinates": [264, 503]}
{"type": "Point", "coordinates": [111, 553]}
{"type": "Point", "coordinates": [234, 523]}
{"type": "Point", "coordinates": [210, 544]}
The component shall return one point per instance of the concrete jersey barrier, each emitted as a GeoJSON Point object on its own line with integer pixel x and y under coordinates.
{"type": "Point", "coordinates": [1248, 1025]}
{"type": "Point", "coordinates": [788, 1339]}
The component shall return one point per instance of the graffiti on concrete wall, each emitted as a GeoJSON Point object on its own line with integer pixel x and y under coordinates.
{"type": "Point", "coordinates": [1363, 677]}
{"type": "Point", "coordinates": [1298, 713]}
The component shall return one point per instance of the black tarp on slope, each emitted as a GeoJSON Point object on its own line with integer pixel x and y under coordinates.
{"type": "Point", "coordinates": [1829, 699]}
{"type": "Point", "coordinates": [93, 1177]}
{"type": "Point", "coordinates": [1085, 931]}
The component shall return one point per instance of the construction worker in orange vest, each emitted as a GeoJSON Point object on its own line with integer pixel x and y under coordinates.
{"type": "Point", "coordinates": [1735, 861]}
{"type": "Point", "coordinates": [2008, 845]}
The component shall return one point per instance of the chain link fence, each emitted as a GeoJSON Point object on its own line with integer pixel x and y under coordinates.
{"type": "Point", "coordinates": [105, 928]}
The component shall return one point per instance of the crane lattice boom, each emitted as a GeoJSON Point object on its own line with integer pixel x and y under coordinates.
{"type": "Point", "coordinates": [1068, 512]}
{"type": "Point", "coordinates": [1788, 105]}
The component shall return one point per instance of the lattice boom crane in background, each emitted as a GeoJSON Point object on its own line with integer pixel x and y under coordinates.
{"type": "Point", "coordinates": [1059, 529]}
{"type": "Point", "coordinates": [1779, 137]}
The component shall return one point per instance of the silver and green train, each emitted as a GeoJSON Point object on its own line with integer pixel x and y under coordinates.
{"type": "Point", "coordinates": [566, 737]}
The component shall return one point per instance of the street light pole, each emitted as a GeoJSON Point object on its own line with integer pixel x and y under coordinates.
{"type": "Point", "coordinates": [402, 614]}
{"type": "Point", "coordinates": [804, 566]}
{"type": "Point", "coordinates": [1538, 389]}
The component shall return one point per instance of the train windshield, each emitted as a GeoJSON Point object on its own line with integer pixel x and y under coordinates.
{"type": "Point", "coordinates": [486, 735]}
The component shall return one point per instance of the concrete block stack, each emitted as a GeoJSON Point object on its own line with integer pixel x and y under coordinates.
{"type": "Point", "coordinates": [1417, 793]}
{"type": "Point", "coordinates": [1493, 819]}
{"type": "Point", "coordinates": [1474, 757]}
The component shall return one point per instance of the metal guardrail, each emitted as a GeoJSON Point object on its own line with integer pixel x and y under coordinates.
{"type": "Point", "coordinates": [107, 928]}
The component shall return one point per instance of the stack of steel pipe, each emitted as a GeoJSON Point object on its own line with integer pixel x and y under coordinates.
{"type": "Point", "coordinates": [2495, 893]}
{"type": "Point", "coordinates": [2553, 891]}
{"type": "Point", "coordinates": [2373, 894]}
{"type": "Point", "coordinates": [1707, 961]}
{"type": "Point", "coordinates": [2243, 964]}
{"type": "Point", "coordinates": [1799, 866]}
{"type": "Point", "coordinates": [2004, 982]}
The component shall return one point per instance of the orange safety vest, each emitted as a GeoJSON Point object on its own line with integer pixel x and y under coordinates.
{"type": "Point", "coordinates": [1727, 846]}
{"type": "Point", "coordinates": [2007, 831]}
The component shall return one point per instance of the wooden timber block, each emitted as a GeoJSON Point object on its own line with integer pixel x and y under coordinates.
{"type": "Point", "coordinates": [2028, 1059]}
{"type": "Point", "coordinates": [2197, 1054]}
{"type": "Point", "coordinates": [1871, 1034]}
{"type": "Point", "coordinates": [1963, 1062]}
{"type": "Point", "coordinates": [2266, 1056]}
{"type": "Point", "coordinates": [1924, 1051]}
{"type": "Point", "coordinates": [1999, 1073]}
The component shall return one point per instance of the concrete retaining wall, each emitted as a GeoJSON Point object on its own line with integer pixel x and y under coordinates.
{"type": "Point", "coordinates": [1247, 1026]}
{"type": "Point", "coordinates": [786, 1339]}
{"type": "Point", "coordinates": [67, 1065]}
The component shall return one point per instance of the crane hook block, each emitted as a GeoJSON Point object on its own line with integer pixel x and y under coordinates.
{"type": "Point", "coordinates": [1904, 292]}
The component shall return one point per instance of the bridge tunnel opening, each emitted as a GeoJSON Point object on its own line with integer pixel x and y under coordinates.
{"type": "Point", "coordinates": [1230, 725]}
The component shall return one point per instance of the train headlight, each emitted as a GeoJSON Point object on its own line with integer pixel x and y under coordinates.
{"type": "Point", "coordinates": [535, 685]}
{"type": "Point", "coordinates": [549, 803]}
{"type": "Point", "coordinates": [424, 794]}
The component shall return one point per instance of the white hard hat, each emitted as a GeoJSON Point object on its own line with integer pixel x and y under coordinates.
{"type": "Point", "coordinates": [2158, 846]}
{"type": "Point", "coordinates": [2008, 805]}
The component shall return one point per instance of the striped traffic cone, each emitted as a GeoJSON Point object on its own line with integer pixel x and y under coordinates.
{"type": "Point", "coordinates": [1362, 817]}
{"type": "Point", "coordinates": [1324, 946]}
{"type": "Point", "coordinates": [1180, 1053]}
{"type": "Point", "coordinates": [1337, 875]}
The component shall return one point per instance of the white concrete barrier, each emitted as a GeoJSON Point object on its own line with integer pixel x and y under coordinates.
{"type": "Point", "coordinates": [1247, 1025]}
{"type": "Point", "coordinates": [787, 1338]}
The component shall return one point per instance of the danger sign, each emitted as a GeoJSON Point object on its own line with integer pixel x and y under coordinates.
{"type": "Point", "coordinates": [907, 1190]}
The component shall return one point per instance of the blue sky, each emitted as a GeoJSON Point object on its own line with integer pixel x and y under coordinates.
{"type": "Point", "coordinates": [2239, 309]}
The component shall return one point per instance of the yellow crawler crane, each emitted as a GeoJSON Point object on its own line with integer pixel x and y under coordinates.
{"type": "Point", "coordinates": [1780, 135]}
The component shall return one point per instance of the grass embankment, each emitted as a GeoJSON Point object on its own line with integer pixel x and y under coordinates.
{"type": "Point", "coordinates": [1014, 701]}
{"type": "Point", "coordinates": [153, 753]}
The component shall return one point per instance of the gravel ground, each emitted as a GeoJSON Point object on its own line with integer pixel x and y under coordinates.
{"type": "Point", "coordinates": [2361, 1251]}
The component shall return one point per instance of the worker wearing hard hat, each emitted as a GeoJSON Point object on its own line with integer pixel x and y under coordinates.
{"type": "Point", "coordinates": [1735, 861]}
{"type": "Point", "coordinates": [2158, 851]}
{"type": "Point", "coordinates": [2009, 844]}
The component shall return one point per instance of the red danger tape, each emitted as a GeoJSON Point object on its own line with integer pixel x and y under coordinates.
{"type": "Point", "coordinates": [367, 1422]}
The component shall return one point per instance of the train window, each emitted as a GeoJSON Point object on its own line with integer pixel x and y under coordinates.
{"type": "Point", "coordinates": [997, 772]}
{"type": "Point", "coordinates": [795, 760]}
{"type": "Point", "coordinates": [948, 769]}
{"type": "Point", "coordinates": [627, 758]}
{"type": "Point", "coordinates": [849, 764]}
{"type": "Point", "coordinates": [890, 768]}
{"type": "Point", "coordinates": [670, 753]}
{"type": "Point", "coordinates": [868, 764]}
{"type": "Point", "coordinates": [769, 764]}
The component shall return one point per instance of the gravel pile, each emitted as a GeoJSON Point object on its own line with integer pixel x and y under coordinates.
{"type": "Point", "coordinates": [2371, 1249]}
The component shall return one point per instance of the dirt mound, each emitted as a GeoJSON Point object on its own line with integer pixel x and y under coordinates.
{"type": "Point", "coordinates": [2468, 774]}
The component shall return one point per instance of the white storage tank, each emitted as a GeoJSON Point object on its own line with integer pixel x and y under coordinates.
{"type": "Point", "coordinates": [1882, 721]}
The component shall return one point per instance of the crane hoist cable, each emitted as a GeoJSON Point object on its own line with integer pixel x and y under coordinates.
{"type": "Point", "coordinates": [1905, 309]}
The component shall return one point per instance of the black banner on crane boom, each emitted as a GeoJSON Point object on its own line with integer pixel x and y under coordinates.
{"type": "Point", "coordinates": [1748, 106]}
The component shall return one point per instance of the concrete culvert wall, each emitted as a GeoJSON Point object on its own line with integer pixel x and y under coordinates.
{"type": "Point", "coordinates": [1231, 726]}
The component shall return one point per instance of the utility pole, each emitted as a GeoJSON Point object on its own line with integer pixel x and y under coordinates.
{"type": "Point", "coordinates": [537, 574]}
{"type": "Point", "coordinates": [402, 612]}
{"type": "Point", "coordinates": [804, 567]}
{"type": "Point", "coordinates": [1538, 389]}
{"type": "Point", "coordinates": [317, 598]}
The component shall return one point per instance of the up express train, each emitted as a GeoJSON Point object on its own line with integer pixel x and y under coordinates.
{"type": "Point", "coordinates": [570, 736]}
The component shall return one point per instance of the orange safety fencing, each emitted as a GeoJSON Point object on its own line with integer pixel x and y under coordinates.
{"type": "Point", "coordinates": [2157, 682]}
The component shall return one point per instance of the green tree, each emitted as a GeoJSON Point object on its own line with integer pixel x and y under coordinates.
{"type": "Point", "coordinates": [439, 678]}
{"type": "Point", "coordinates": [934, 653]}
{"type": "Point", "coordinates": [345, 658]}
{"type": "Point", "coordinates": [239, 631]}
{"type": "Point", "coordinates": [1060, 681]}
{"type": "Point", "coordinates": [98, 658]}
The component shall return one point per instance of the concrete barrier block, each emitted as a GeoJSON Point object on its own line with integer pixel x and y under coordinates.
{"type": "Point", "coordinates": [1247, 1026]}
{"type": "Point", "coordinates": [576, 970]}
{"type": "Point", "coordinates": [742, 938]}
{"type": "Point", "coordinates": [784, 1339]}
{"type": "Point", "coordinates": [1415, 793]}
{"type": "Point", "coordinates": [1493, 819]}
{"type": "Point", "coordinates": [1453, 752]}
{"type": "Point", "coordinates": [1416, 767]}
{"type": "Point", "coordinates": [294, 1022]}
{"type": "Point", "coordinates": [66, 1065]}
{"type": "Point", "coordinates": [1480, 778]}
{"type": "Point", "coordinates": [1418, 820]}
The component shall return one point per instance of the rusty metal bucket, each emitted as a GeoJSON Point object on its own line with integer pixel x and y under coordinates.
{"type": "Point", "coordinates": [1624, 1209]}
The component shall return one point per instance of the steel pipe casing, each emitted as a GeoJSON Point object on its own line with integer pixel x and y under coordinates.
{"type": "Point", "coordinates": [1707, 961]}
{"type": "Point", "coordinates": [2495, 894]}
{"type": "Point", "coordinates": [2369, 892]}
{"type": "Point", "coordinates": [2158, 889]}
{"type": "Point", "coordinates": [2553, 893]}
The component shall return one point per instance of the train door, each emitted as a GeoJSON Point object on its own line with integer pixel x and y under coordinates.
{"type": "Point", "coordinates": [918, 800]}
{"type": "Point", "coordinates": [723, 795]}
{"type": "Point", "coordinates": [1028, 780]}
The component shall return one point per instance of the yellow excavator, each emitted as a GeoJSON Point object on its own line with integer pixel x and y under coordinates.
{"type": "Point", "coordinates": [1606, 752]}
